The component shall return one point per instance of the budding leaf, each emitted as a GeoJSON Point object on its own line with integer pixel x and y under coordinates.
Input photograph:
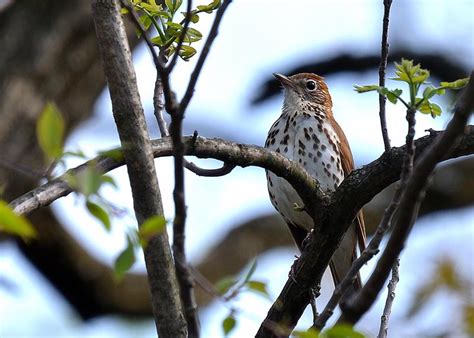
{"type": "Point", "coordinates": [224, 285]}
{"type": "Point", "coordinates": [311, 333]}
{"type": "Point", "coordinates": [228, 324]}
{"type": "Point", "coordinates": [364, 89]}
{"type": "Point", "coordinates": [342, 331]}
{"type": "Point", "coordinates": [151, 227]}
{"type": "Point", "coordinates": [98, 212]}
{"type": "Point", "coordinates": [15, 224]}
{"type": "Point", "coordinates": [152, 7]}
{"type": "Point", "coordinates": [393, 95]}
{"type": "Point", "coordinates": [186, 52]}
{"type": "Point", "coordinates": [87, 181]}
{"type": "Point", "coordinates": [50, 131]}
{"type": "Point", "coordinates": [431, 91]}
{"type": "Point", "coordinates": [458, 84]}
{"type": "Point", "coordinates": [124, 261]}
{"type": "Point", "coordinates": [259, 287]}
{"type": "Point", "coordinates": [430, 108]}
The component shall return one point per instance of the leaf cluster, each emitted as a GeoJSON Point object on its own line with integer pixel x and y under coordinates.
{"type": "Point", "coordinates": [168, 28]}
{"type": "Point", "coordinates": [416, 78]}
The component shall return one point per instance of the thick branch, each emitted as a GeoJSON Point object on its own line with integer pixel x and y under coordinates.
{"type": "Point", "coordinates": [131, 126]}
{"type": "Point", "coordinates": [370, 179]}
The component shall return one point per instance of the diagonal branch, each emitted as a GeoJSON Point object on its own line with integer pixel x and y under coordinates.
{"type": "Point", "coordinates": [409, 204]}
{"type": "Point", "coordinates": [202, 57]}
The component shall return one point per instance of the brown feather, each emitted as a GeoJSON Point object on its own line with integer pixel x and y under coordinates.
{"type": "Point", "coordinates": [347, 162]}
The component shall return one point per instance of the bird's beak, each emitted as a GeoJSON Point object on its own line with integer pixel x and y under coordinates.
{"type": "Point", "coordinates": [284, 80]}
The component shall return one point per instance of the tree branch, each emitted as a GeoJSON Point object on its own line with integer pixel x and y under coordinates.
{"type": "Point", "coordinates": [370, 179]}
{"type": "Point", "coordinates": [202, 57]}
{"type": "Point", "coordinates": [413, 193]}
{"type": "Point", "coordinates": [388, 303]}
{"type": "Point", "coordinates": [382, 67]}
{"type": "Point", "coordinates": [131, 126]}
{"type": "Point", "coordinates": [185, 280]}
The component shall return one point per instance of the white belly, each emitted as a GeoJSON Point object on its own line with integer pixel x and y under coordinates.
{"type": "Point", "coordinates": [309, 146]}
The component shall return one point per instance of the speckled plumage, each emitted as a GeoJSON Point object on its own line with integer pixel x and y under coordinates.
{"type": "Point", "coordinates": [307, 133]}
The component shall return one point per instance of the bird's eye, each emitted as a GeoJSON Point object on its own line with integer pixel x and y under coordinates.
{"type": "Point", "coordinates": [310, 85]}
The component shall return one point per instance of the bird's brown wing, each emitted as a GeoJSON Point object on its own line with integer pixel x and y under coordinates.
{"type": "Point", "coordinates": [341, 261]}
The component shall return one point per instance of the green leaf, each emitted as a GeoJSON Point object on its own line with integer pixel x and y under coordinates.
{"type": "Point", "coordinates": [224, 285]}
{"type": "Point", "coordinates": [186, 52]}
{"type": "Point", "coordinates": [311, 333]}
{"type": "Point", "coordinates": [342, 331]}
{"type": "Point", "coordinates": [152, 7]}
{"type": "Point", "coordinates": [98, 212]}
{"type": "Point", "coordinates": [110, 180]}
{"type": "Point", "coordinates": [458, 84]}
{"type": "Point", "coordinates": [15, 224]}
{"type": "Point", "coordinates": [123, 10]}
{"type": "Point", "coordinates": [429, 92]}
{"type": "Point", "coordinates": [192, 35]}
{"type": "Point", "coordinates": [228, 324]}
{"type": "Point", "coordinates": [157, 40]}
{"type": "Point", "coordinates": [393, 95]}
{"type": "Point", "coordinates": [87, 181]}
{"type": "Point", "coordinates": [259, 287]}
{"type": "Point", "coordinates": [364, 89]}
{"type": "Point", "coordinates": [194, 17]}
{"type": "Point", "coordinates": [124, 261]}
{"type": "Point", "coordinates": [420, 76]}
{"type": "Point", "coordinates": [151, 227]}
{"type": "Point", "coordinates": [145, 21]}
{"type": "Point", "coordinates": [430, 108]}
{"type": "Point", "coordinates": [173, 5]}
{"type": "Point", "coordinates": [50, 131]}
{"type": "Point", "coordinates": [115, 154]}
{"type": "Point", "coordinates": [210, 7]}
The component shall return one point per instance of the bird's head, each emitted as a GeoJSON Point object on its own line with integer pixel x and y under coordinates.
{"type": "Point", "coordinates": [305, 89]}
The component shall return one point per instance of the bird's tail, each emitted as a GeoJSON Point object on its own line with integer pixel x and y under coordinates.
{"type": "Point", "coordinates": [342, 259]}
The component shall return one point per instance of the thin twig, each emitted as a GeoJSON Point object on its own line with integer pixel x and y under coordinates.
{"type": "Point", "coordinates": [224, 170]}
{"type": "Point", "coordinates": [409, 205]}
{"type": "Point", "coordinates": [159, 106]}
{"type": "Point", "coordinates": [202, 58]}
{"type": "Point", "coordinates": [388, 303]}
{"type": "Point", "coordinates": [382, 67]}
{"type": "Point", "coordinates": [186, 283]}
{"type": "Point", "coordinates": [158, 110]}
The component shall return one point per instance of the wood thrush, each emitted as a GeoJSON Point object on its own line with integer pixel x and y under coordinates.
{"type": "Point", "coordinates": [307, 133]}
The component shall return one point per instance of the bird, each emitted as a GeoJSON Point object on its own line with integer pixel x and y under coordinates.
{"type": "Point", "coordinates": [307, 133]}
